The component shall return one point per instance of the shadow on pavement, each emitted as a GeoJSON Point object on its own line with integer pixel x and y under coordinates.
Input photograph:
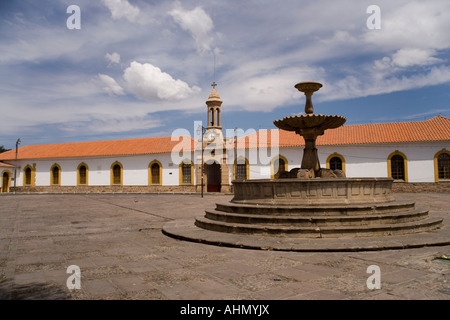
{"type": "Point", "coordinates": [32, 291]}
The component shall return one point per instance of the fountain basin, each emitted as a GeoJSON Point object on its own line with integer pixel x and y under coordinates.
{"type": "Point", "coordinates": [318, 191]}
{"type": "Point", "coordinates": [324, 122]}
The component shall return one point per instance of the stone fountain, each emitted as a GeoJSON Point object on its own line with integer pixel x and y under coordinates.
{"type": "Point", "coordinates": [310, 126]}
{"type": "Point", "coordinates": [311, 208]}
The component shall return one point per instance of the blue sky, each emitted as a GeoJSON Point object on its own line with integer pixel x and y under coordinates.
{"type": "Point", "coordinates": [140, 68]}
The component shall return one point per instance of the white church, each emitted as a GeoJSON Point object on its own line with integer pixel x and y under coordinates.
{"type": "Point", "coordinates": [412, 153]}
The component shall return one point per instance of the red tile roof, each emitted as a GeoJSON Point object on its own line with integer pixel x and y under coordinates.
{"type": "Point", "coordinates": [100, 148]}
{"type": "Point", "coordinates": [5, 165]}
{"type": "Point", "coordinates": [434, 129]}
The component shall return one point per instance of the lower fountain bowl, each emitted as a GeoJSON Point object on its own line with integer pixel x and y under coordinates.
{"type": "Point", "coordinates": [313, 191]}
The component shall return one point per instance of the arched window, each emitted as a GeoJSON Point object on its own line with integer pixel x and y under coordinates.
{"type": "Point", "coordinates": [278, 165]}
{"type": "Point", "coordinates": [186, 172]}
{"type": "Point", "coordinates": [155, 173]}
{"type": "Point", "coordinates": [55, 175]}
{"type": "Point", "coordinates": [336, 162]}
{"type": "Point", "coordinates": [442, 165]}
{"type": "Point", "coordinates": [397, 166]}
{"type": "Point", "coordinates": [29, 175]}
{"type": "Point", "coordinates": [241, 169]}
{"type": "Point", "coordinates": [116, 173]}
{"type": "Point", "coordinates": [82, 176]}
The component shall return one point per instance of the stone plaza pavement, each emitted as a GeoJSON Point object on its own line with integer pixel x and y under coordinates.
{"type": "Point", "coordinates": [117, 243]}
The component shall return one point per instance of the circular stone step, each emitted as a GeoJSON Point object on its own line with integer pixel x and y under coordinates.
{"type": "Point", "coordinates": [185, 229]}
{"type": "Point", "coordinates": [309, 221]}
{"type": "Point", "coordinates": [320, 232]}
{"type": "Point", "coordinates": [316, 210]}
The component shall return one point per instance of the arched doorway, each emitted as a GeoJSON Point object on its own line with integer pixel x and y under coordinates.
{"type": "Point", "coordinates": [213, 177]}
{"type": "Point", "coordinates": [5, 182]}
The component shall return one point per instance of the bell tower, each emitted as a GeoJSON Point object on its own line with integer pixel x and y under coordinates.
{"type": "Point", "coordinates": [214, 109]}
{"type": "Point", "coordinates": [215, 166]}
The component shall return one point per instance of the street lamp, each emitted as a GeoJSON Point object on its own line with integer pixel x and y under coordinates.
{"type": "Point", "coordinates": [201, 131]}
{"type": "Point", "coordinates": [15, 165]}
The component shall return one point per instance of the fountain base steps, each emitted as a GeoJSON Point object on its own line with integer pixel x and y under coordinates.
{"type": "Point", "coordinates": [354, 227]}
{"type": "Point", "coordinates": [318, 222]}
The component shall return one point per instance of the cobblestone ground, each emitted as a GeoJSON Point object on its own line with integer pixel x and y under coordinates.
{"type": "Point", "coordinates": [117, 243]}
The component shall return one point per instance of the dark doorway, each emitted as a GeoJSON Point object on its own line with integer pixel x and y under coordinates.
{"type": "Point", "coordinates": [213, 177]}
{"type": "Point", "coordinates": [5, 183]}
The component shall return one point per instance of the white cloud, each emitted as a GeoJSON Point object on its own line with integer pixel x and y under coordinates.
{"type": "Point", "coordinates": [410, 57]}
{"type": "Point", "coordinates": [256, 91]}
{"type": "Point", "coordinates": [122, 8]}
{"type": "Point", "coordinates": [113, 57]}
{"type": "Point", "coordinates": [110, 85]}
{"type": "Point", "coordinates": [362, 86]}
{"type": "Point", "coordinates": [148, 82]}
{"type": "Point", "coordinates": [405, 58]}
{"type": "Point", "coordinates": [198, 23]}
{"type": "Point", "coordinates": [414, 24]}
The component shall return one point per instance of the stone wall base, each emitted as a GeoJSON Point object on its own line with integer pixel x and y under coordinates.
{"type": "Point", "coordinates": [105, 189]}
{"type": "Point", "coordinates": [421, 187]}
{"type": "Point", "coordinates": [396, 187]}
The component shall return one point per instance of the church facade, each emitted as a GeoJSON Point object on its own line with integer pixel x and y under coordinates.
{"type": "Point", "coordinates": [409, 152]}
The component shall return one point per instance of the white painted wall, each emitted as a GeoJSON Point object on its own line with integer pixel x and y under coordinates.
{"type": "Point", "coordinates": [362, 160]}
{"type": "Point", "coordinates": [135, 170]}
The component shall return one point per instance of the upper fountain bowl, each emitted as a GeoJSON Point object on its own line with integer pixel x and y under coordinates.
{"type": "Point", "coordinates": [309, 86]}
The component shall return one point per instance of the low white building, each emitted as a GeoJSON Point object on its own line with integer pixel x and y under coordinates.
{"type": "Point", "coordinates": [411, 152]}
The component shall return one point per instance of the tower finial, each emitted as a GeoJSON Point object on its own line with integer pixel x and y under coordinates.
{"type": "Point", "coordinates": [214, 84]}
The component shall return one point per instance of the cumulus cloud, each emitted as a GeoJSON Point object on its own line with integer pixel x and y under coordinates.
{"type": "Point", "coordinates": [122, 9]}
{"type": "Point", "coordinates": [266, 91]}
{"type": "Point", "coordinates": [198, 23]}
{"type": "Point", "coordinates": [410, 57]}
{"type": "Point", "coordinates": [353, 87]}
{"type": "Point", "coordinates": [113, 57]}
{"type": "Point", "coordinates": [148, 82]}
{"type": "Point", "coordinates": [110, 85]}
{"type": "Point", "coordinates": [415, 24]}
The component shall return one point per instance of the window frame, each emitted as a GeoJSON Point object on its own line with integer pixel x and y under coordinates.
{"type": "Point", "coordinates": [79, 174]}
{"type": "Point", "coordinates": [405, 165]}
{"type": "Point", "coordinates": [273, 175]}
{"type": "Point", "coordinates": [335, 155]}
{"type": "Point", "coordinates": [112, 174]}
{"type": "Point", "coordinates": [150, 173]}
{"type": "Point", "coordinates": [436, 165]}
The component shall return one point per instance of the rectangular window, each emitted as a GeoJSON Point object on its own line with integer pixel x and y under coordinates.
{"type": "Point", "coordinates": [241, 172]}
{"type": "Point", "coordinates": [186, 173]}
